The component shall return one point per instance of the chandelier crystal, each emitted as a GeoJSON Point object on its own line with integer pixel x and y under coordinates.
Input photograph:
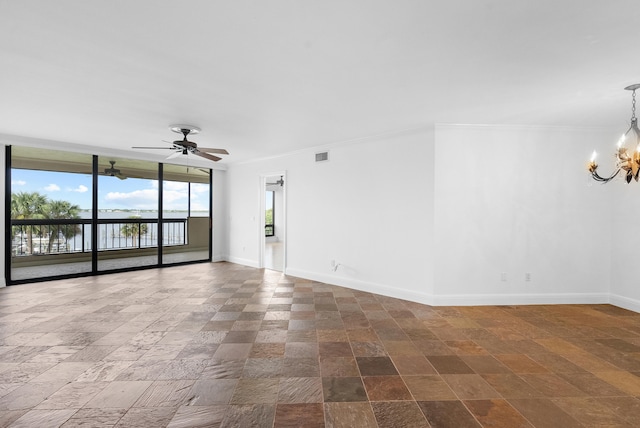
{"type": "Point", "coordinates": [626, 161]}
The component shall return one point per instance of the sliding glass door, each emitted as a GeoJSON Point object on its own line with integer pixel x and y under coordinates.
{"type": "Point", "coordinates": [127, 213]}
{"type": "Point", "coordinates": [50, 213]}
{"type": "Point", "coordinates": [77, 214]}
{"type": "Point", "coordinates": [186, 213]}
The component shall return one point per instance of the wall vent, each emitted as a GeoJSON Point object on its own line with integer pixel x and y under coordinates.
{"type": "Point", "coordinates": [322, 156]}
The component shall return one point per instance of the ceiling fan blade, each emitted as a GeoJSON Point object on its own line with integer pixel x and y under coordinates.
{"type": "Point", "coordinates": [206, 155]}
{"type": "Point", "coordinates": [159, 148]}
{"type": "Point", "coordinates": [120, 176]}
{"type": "Point", "coordinates": [174, 155]}
{"type": "Point", "coordinates": [217, 151]}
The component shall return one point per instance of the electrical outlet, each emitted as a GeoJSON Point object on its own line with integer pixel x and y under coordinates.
{"type": "Point", "coordinates": [503, 276]}
{"type": "Point", "coordinates": [332, 263]}
{"type": "Point", "coordinates": [527, 276]}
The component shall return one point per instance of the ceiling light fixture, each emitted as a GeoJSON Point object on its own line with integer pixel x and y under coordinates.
{"type": "Point", "coordinates": [629, 162]}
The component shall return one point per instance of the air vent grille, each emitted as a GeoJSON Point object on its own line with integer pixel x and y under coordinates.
{"type": "Point", "coordinates": [322, 156]}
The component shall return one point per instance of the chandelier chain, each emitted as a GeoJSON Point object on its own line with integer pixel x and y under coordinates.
{"type": "Point", "coordinates": [633, 106]}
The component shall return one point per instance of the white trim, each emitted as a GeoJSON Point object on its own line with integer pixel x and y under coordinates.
{"type": "Point", "coordinates": [520, 299]}
{"type": "Point", "coordinates": [339, 144]}
{"type": "Point", "coordinates": [464, 300]}
{"type": "Point", "coordinates": [244, 262]}
{"type": "Point", "coordinates": [459, 300]}
{"type": "Point", "coordinates": [220, 258]}
{"type": "Point", "coordinates": [625, 302]}
{"type": "Point", "coordinates": [263, 206]}
{"type": "Point", "coordinates": [371, 287]}
{"type": "Point", "coordinates": [518, 127]}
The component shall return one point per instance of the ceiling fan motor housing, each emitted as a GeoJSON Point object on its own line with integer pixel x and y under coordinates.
{"type": "Point", "coordinates": [185, 146]}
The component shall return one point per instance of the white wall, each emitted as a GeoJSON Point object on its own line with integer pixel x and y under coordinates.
{"type": "Point", "coordinates": [519, 200]}
{"type": "Point", "coordinates": [369, 208]}
{"type": "Point", "coordinates": [437, 216]}
{"type": "Point", "coordinates": [625, 232]}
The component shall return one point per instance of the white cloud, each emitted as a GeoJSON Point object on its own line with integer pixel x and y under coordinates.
{"type": "Point", "coordinates": [174, 197]}
{"type": "Point", "coordinates": [141, 195]}
{"type": "Point", "coordinates": [52, 188]}
{"type": "Point", "coordinates": [169, 196]}
{"type": "Point", "coordinates": [175, 185]}
{"type": "Point", "coordinates": [199, 188]}
{"type": "Point", "coordinates": [18, 182]}
{"type": "Point", "coordinates": [80, 189]}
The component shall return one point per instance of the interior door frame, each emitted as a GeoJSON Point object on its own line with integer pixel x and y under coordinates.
{"type": "Point", "coordinates": [261, 222]}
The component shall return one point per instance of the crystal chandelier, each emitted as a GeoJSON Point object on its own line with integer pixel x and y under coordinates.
{"type": "Point", "coordinates": [625, 161]}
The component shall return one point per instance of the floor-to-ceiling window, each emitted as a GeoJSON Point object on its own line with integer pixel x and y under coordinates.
{"type": "Point", "coordinates": [127, 213]}
{"type": "Point", "coordinates": [77, 214]}
{"type": "Point", "coordinates": [186, 213]}
{"type": "Point", "coordinates": [50, 213]}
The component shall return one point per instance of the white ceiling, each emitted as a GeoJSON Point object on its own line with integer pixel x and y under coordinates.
{"type": "Point", "coordinates": [265, 77]}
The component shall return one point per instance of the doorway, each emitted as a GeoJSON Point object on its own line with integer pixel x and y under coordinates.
{"type": "Point", "coordinates": [272, 213]}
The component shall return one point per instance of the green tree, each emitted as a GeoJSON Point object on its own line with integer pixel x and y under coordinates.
{"type": "Point", "coordinates": [134, 230]}
{"type": "Point", "coordinates": [28, 205]}
{"type": "Point", "coordinates": [62, 210]}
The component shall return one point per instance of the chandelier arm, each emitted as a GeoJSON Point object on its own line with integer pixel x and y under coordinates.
{"type": "Point", "coordinates": [601, 179]}
{"type": "Point", "coordinates": [633, 127]}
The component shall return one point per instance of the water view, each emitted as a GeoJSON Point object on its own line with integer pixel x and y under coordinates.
{"type": "Point", "coordinates": [117, 229]}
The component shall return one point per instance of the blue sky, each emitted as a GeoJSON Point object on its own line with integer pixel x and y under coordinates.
{"type": "Point", "coordinates": [113, 193]}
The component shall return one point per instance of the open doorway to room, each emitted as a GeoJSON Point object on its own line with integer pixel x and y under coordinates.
{"type": "Point", "coordinates": [273, 212]}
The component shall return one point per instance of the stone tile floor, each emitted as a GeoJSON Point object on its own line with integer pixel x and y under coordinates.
{"type": "Point", "coordinates": [219, 344]}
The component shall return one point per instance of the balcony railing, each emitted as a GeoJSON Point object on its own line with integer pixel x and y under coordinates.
{"type": "Point", "coordinates": [269, 230]}
{"type": "Point", "coordinates": [67, 236]}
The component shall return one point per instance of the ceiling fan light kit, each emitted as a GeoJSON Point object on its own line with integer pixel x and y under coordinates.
{"type": "Point", "coordinates": [625, 161]}
{"type": "Point", "coordinates": [186, 147]}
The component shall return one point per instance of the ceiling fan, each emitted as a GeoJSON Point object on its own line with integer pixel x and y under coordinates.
{"type": "Point", "coordinates": [279, 182]}
{"type": "Point", "coordinates": [185, 147]}
{"type": "Point", "coordinates": [113, 172]}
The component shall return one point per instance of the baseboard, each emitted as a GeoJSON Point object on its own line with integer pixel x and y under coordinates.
{"type": "Point", "coordinates": [520, 299]}
{"type": "Point", "coordinates": [220, 258]}
{"type": "Point", "coordinates": [371, 287]}
{"type": "Point", "coordinates": [458, 299]}
{"type": "Point", "coordinates": [625, 302]}
{"type": "Point", "coordinates": [240, 261]}
{"type": "Point", "coordinates": [452, 299]}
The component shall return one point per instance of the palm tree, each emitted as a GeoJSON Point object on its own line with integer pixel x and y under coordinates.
{"type": "Point", "coordinates": [62, 210]}
{"type": "Point", "coordinates": [26, 205]}
{"type": "Point", "coordinates": [134, 230]}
